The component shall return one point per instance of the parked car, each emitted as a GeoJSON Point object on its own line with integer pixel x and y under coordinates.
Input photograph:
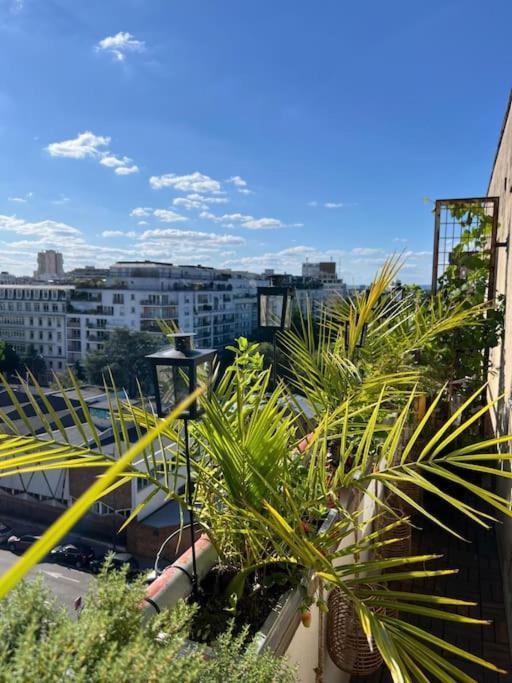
{"type": "Point", "coordinates": [5, 533]}
{"type": "Point", "coordinates": [76, 554]}
{"type": "Point", "coordinates": [18, 544]}
{"type": "Point", "coordinates": [118, 560]}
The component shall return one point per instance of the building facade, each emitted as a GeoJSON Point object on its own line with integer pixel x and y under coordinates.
{"type": "Point", "coordinates": [500, 374]}
{"type": "Point", "coordinates": [324, 271]}
{"type": "Point", "coordinates": [34, 317]}
{"type": "Point", "coordinates": [63, 323]}
{"type": "Point", "coordinates": [50, 265]}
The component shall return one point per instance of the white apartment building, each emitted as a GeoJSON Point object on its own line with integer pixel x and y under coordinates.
{"type": "Point", "coordinates": [65, 322]}
{"type": "Point", "coordinates": [35, 316]}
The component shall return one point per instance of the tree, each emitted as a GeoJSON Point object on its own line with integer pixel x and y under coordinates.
{"type": "Point", "coordinates": [9, 359]}
{"type": "Point", "coordinates": [124, 356]}
{"type": "Point", "coordinates": [111, 641]}
{"type": "Point", "coordinates": [34, 362]}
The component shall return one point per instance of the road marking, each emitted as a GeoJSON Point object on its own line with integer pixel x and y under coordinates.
{"type": "Point", "coordinates": [58, 575]}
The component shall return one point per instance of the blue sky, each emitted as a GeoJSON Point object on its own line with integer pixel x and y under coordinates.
{"type": "Point", "coordinates": [246, 135]}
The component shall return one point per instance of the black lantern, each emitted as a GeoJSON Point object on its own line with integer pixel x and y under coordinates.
{"type": "Point", "coordinates": [275, 307]}
{"type": "Point", "coordinates": [177, 372]}
{"type": "Point", "coordinates": [275, 313]}
{"type": "Point", "coordinates": [362, 335]}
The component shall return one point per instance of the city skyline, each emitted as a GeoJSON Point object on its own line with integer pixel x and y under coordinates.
{"type": "Point", "coordinates": [240, 137]}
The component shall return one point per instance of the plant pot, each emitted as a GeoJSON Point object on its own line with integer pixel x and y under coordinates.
{"type": "Point", "coordinates": [347, 644]}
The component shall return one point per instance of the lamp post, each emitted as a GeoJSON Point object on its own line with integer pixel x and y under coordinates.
{"type": "Point", "coordinates": [362, 335]}
{"type": "Point", "coordinates": [177, 371]}
{"type": "Point", "coordinates": [275, 313]}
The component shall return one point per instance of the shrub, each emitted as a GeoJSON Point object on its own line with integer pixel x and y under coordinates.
{"type": "Point", "coordinates": [112, 641]}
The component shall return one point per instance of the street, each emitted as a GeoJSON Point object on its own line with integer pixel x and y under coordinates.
{"type": "Point", "coordinates": [66, 583]}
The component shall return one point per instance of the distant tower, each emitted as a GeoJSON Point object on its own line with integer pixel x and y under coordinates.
{"type": "Point", "coordinates": [50, 265]}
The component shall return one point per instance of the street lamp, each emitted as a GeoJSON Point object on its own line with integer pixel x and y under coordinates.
{"type": "Point", "coordinates": [362, 335]}
{"type": "Point", "coordinates": [177, 372]}
{"type": "Point", "coordinates": [275, 313]}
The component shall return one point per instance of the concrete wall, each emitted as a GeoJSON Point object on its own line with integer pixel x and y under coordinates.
{"type": "Point", "coordinates": [500, 377]}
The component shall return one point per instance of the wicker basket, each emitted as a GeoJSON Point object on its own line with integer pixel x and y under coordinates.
{"type": "Point", "coordinates": [347, 643]}
{"type": "Point", "coordinates": [402, 532]}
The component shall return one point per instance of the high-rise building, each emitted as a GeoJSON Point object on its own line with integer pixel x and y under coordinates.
{"type": "Point", "coordinates": [324, 271]}
{"type": "Point", "coordinates": [50, 265]}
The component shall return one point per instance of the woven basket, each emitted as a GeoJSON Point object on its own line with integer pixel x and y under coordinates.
{"type": "Point", "coordinates": [347, 643]}
{"type": "Point", "coordinates": [414, 492]}
{"type": "Point", "coordinates": [402, 532]}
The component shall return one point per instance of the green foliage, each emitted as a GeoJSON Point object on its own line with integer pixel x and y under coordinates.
{"type": "Point", "coordinates": [123, 356]}
{"type": "Point", "coordinates": [35, 364]}
{"type": "Point", "coordinates": [260, 496]}
{"type": "Point", "coordinates": [335, 360]}
{"type": "Point", "coordinates": [111, 641]}
{"type": "Point", "coordinates": [465, 282]}
{"type": "Point", "coordinates": [9, 359]}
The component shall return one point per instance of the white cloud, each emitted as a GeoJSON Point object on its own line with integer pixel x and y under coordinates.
{"type": "Point", "coordinates": [327, 205]}
{"type": "Point", "coordinates": [20, 255]}
{"type": "Point", "coordinates": [61, 200]}
{"type": "Point", "coordinates": [366, 251]}
{"type": "Point", "coordinates": [233, 218]}
{"type": "Point", "coordinates": [85, 144]}
{"type": "Point", "coordinates": [249, 222]}
{"type": "Point", "coordinates": [213, 200]}
{"type": "Point", "coordinates": [194, 182]}
{"type": "Point", "coordinates": [245, 190]}
{"type": "Point", "coordinates": [189, 203]}
{"type": "Point", "coordinates": [119, 233]}
{"type": "Point", "coordinates": [126, 170]}
{"type": "Point", "coordinates": [262, 224]}
{"type": "Point", "coordinates": [45, 229]}
{"type": "Point", "coordinates": [90, 145]}
{"type": "Point", "coordinates": [120, 45]}
{"type": "Point", "coordinates": [112, 233]}
{"type": "Point", "coordinates": [21, 200]}
{"type": "Point", "coordinates": [237, 181]}
{"type": "Point", "coordinates": [121, 166]}
{"type": "Point", "coordinates": [193, 235]}
{"type": "Point", "coordinates": [141, 211]}
{"type": "Point", "coordinates": [289, 260]}
{"type": "Point", "coordinates": [142, 223]}
{"type": "Point", "coordinates": [111, 161]}
{"type": "Point", "coordinates": [167, 216]}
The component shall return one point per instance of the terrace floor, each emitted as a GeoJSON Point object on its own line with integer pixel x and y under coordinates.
{"type": "Point", "coordinates": [479, 580]}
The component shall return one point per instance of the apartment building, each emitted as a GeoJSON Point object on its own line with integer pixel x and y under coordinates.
{"type": "Point", "coordinates": [63, 323]}
{"type": "Point", "coordinates": [34, 316]}
{"type": "Point", "coordinates": [318, 284]}
{"type": "Point", "coordinates": [323, 271]}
